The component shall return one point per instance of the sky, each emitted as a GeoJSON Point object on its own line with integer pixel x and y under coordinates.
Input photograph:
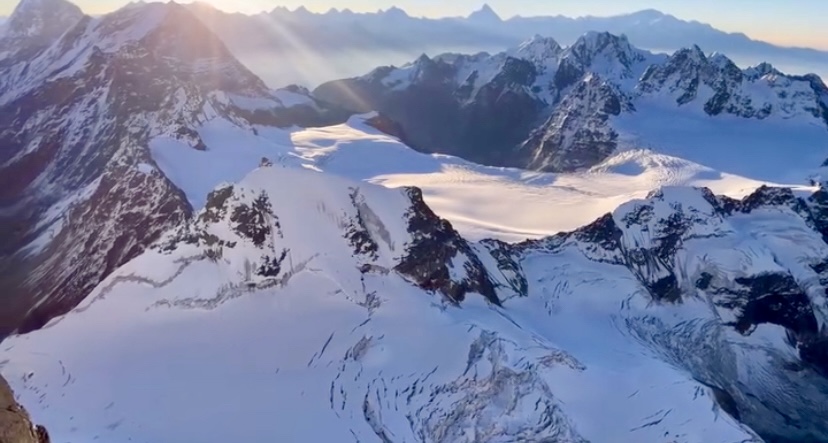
{"type": "Point", "coordinates": [783, 22]}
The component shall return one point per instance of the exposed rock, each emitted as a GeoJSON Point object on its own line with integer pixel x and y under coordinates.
{"type": "Point", "coordinates": [578, 134]}
{"type": "Point", "coordinates": [513, 277]}
{"type": "Point", "coordinates": [15, 424]}
{"type": "Point", "coordinates": [388, 126]}
{"type": "Point", "coordinates": [256, 221]}
{"type": "Point", "coordinates": [439, 259]}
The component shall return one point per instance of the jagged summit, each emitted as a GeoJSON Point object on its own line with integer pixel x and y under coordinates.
{"type": "Point", "coordinates": [538, 49]}
{"type": "Point", "coordinates": [616, 51]}
{"type": "Point", "coordinates": [761, 70]}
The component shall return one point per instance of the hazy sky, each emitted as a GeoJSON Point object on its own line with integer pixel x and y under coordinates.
{"type": "Point", "coordinates": [785, 22]}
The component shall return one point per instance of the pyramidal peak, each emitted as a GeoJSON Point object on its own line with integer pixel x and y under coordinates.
{"type": "Point", "coordinates": [538, 49]}
{"type": "Point", "coordinates": [485, 14]}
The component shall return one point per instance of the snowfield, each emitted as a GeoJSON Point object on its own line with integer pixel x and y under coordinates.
{"type": "Point", "coordinates": [482, 202]}
{"type": "Point", "coordinates": [781, 150]}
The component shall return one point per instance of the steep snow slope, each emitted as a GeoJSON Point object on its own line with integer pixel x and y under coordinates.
{"type": "Point", "coordinates": [774, 149]}
{"type": "Point", "coordinates": [482, 202]}
{"type": "Point", "coordinates": [734, 293]}
{"type": "Point", "coordinates": [334, 340]}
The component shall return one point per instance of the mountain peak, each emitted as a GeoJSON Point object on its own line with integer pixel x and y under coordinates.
{"type": "Point", "coordinates": [485, 14]}
{"type": "Point", "coordinates": [761, 70]}
{"type": "Point", "coordinates": [589, 45]}
{"type": "Point", "coordinates": [599, 39]}
{"type": "Point", "coordinates": [693, 54]}
{"type": "Point", "coordinates": [42, 20]}
{"type": "Point", "coordinates": [395, 12]}
{"type": "Point", "coordinates": [539, 48]}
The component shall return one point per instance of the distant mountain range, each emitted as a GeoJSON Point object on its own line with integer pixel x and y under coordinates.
{"type": "Point", "coordinates": [285, 46]}
{"type": "Point", "coordinates": [354, 42]}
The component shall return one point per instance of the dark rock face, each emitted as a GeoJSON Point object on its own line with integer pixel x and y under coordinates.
{"type": "Point", "coordinates": [216, 206]}
{"type": "Point", "coordinates": [439, 116]}
{"type": "Point", "coordinates": [388, 126]}
{"type": "Point", "coordinates": [102, 233]}
{"type": "Point", "coordinates": [255, 222]}
{"type": "Point", "coordinates": [427, 112]}
{"type": "Point", "coordinates": [357, 231]}
{"type": "Point", "coordinates": [271, 266]}
{"type": "Point", "coordinates": [578, 134]}
{"type": "Point", "coordinates": [774, 299]}
{"type": "Point", "coordinates": [818, 207]}
{"type": "Point", "coordinates": [568, 74]}
{"type": "Point", "coordinates": [435, 254]}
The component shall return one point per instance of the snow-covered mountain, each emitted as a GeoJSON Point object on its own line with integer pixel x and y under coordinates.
{"type": "Point", "coordinates": [348, 309]}
{"type": "Point", "coordinates": [80, 195]}
{"type": "Point", "coordinates": [550, 108]}
{"type": "Point", "coordinates": [35, 24]}
{"type": "Point", "coordinates": [303, 302]}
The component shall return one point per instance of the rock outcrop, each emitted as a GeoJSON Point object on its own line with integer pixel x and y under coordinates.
{"type": "Point", "coordinates": [15, 424]}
